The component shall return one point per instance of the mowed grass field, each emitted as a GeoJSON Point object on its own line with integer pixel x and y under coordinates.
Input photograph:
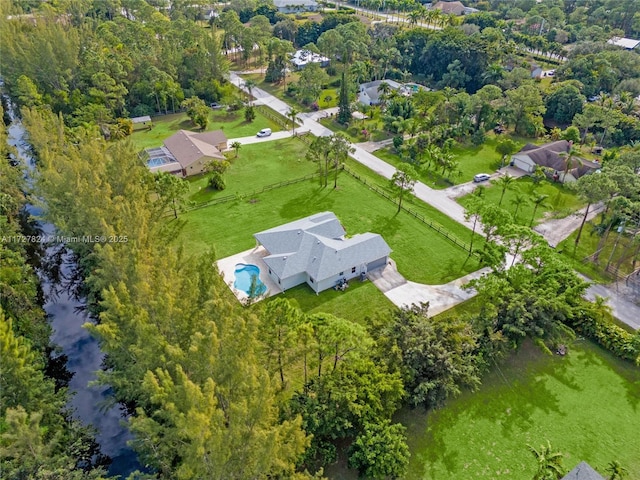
{"type": "Point", "coordinates": [472, 160]}
{"type": "Point", "coordinates": [560, 201]}
{"type": "Point", "coordinates": [586, 404]}
{"type": "Point", "coordinates": [231, 123]}
{"type": "Point", "coordinates": [422, 255]}
{"type": "Point", "coordinates": [360, 301]}
{"type": "Point", "coordinates": [256, 165]}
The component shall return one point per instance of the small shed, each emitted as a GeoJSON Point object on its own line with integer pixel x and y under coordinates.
{"type": "Point", "coordinates": [142, 123]}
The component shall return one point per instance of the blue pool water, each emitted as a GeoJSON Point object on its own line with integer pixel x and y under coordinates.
{"type": "Point", "coordinates": [244, 275]}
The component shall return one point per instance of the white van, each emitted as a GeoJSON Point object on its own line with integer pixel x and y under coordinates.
{"type": "Point", "coordinates": [265, 132]}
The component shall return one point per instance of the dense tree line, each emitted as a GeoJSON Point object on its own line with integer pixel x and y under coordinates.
{"type": "Point", "coordinates": [180, 354]}
{"type": "Point", "coordinates": [95, 70]}
{"type": "Point", "coordinates": [39, 438]}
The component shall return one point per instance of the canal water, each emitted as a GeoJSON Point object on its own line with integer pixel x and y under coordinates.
{"type": "Point", "coordinates": [66, 317]}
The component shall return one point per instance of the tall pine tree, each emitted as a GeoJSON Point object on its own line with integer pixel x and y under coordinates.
{"type": "Point", "coordinates": [344, 112]}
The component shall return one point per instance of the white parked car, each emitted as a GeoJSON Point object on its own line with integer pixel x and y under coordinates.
{"type": "Point", "coordinates": [265, 132]}
{"type": "Point", "coordinates": [481, 177]}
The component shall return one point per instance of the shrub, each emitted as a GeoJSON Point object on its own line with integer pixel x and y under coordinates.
{"type": "Point", "coordinates": [478, 138]}
{"type": "Point", "coordinates": [589, 322]}
{"type": "Point", "coordinates": [216, 181]}
{"type": "Point", "coordinates": [249, 114]}
{"type": "Point", "coordinates": [292, 90]}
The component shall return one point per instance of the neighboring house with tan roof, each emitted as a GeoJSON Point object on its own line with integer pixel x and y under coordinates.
{"type": "Point", "coordinates": [316, 251]}
{"type": "Point", "coordinates": [187, 153]}
{"type": "Point", "coordinates": [450, 8]}
{"type": "Point", "coordinates": [553, 156]}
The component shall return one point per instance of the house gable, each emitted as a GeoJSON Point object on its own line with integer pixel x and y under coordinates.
{"type": "Point", "coordinates": [583, 471]}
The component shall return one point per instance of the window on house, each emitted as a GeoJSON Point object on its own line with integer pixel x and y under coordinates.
{"type": "Point", "coordinates": [353, 270]}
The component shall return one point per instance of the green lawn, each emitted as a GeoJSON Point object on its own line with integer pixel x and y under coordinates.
{"type": "Point", "coordinates": [257, 165]}
{"type": "Point", "coordinates": [415, 204]}
{"type": "Point", "coordinates": [586, 404]}
{"type": "Point", "coordinates": [472, 160]}
{"type": "Point", "coordinates": [589, 244]}
{"type": "Point", "coordinates": [232, 123]}
{"type": "Point", "coordinates": [430, 178]}
{"type": "Point", "coordinates": [422, 255]}
{"type": "Point", "coordinates": [354, 131]}
{"type": "Point", "coordinates": [328, 98]}
{"type": "Point", "coordinates": [560, 203]}
{"type": "Point", "coordinates": [360, 301]}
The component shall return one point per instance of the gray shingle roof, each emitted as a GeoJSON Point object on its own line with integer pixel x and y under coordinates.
{"type": "Point", "coordinates": [583, 471]}
{"type": "Point", "coordinates": [372, 88]}
{"type": "Point", "coordinates": [316, 245]}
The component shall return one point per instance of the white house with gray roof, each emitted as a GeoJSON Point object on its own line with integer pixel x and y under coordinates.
{"type": "Point", "coordinates": [316, 250]}
{"type": "Point", "coordinates": [369, 93]}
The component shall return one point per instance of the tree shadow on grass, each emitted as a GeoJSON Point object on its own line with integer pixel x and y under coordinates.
{"type": "Point", "coordinates": [186, 125]}
{"type": "Point", "coordinates": [386, 225]}
{"type": "Point", "coordinates": [319, 199]}
{"type": "Point", "coordinates": [597, 355]}
{"type": "Point", "coordinates": [513, 392]}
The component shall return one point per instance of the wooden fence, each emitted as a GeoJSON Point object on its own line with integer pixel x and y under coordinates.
{"type": "Point", "coordinates": [241, 196]}
{"type": "Point", "coordinates": [276, 117]}
{"type": "Point", "coordinates": [430, 223]}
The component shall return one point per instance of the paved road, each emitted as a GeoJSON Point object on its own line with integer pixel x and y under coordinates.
{"type": "Point", "coordinates": [622, 309]}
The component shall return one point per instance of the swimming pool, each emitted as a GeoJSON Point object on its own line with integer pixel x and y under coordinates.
{"type": "Point", "coordinates": [244, 276]}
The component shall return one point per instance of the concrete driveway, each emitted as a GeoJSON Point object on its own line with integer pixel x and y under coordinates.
{"type": "Point", "coordinates": [254, 139]}
{"type": "Point", "coordinates": [404, 293]}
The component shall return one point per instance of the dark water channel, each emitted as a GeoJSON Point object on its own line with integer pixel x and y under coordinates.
{"type": "Point", "coordinates": [66, 317]}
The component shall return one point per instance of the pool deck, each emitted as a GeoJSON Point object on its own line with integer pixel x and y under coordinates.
{"type": "Point", "coordinates": [227, 268]}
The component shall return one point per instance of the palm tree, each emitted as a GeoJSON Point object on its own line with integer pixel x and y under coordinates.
{"type": "Point", "coordinates": [505, 183]}
{"type": "Point", "coordinates": [429, 17]}
{"type": "Point", "coordinates": [538, 201]}
{"type": "Point", "coordinates": [236, 146]}
{"type": "Point", "coordinates": [384, 89]}
{"type": "Point", "coordinates": [571, 158]}
{"type": "Point", "coordinates": [614, 469]}
{"type": "Point", "coordinates": [549, 462]}
{"type": "Point", "coordinates": [493, 73]}
{"type": "Point", "coordinates": [518, 201]}
{"type": "Point", "coordinates": [250, 85]}
{"type": "Point", "coordinates": [414, 17]}
{"type": "Point", "coordinates": [291, 115]}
